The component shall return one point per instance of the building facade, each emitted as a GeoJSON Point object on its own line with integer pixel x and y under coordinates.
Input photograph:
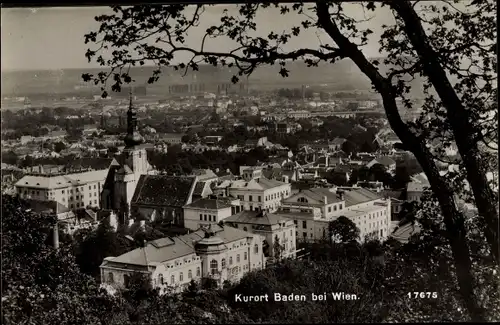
{"type": "Point", "coordinates": [259, 193]}
{"type": "Point", "coordinates": [73, 191]}
{"type": "Point", "coordinates": [220, 253]}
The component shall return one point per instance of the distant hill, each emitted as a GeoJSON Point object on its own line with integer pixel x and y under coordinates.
{"type": "Point", "coordinates": [341, 76]}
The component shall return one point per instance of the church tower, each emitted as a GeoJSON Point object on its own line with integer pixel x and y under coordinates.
{"type": "Point", "coordinates": [133, 163]}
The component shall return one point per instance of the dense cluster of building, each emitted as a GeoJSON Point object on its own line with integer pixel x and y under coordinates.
{"type": "Point", "coordinates": [234, 223]}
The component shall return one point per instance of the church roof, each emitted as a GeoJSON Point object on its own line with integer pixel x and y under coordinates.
{"type": "Point", "coordinates": [163, 190]}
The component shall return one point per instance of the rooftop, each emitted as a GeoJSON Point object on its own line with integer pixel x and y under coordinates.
{"type": "Point", "coordinates": [62, 181]}
{"type": "Point", "coordinates": [169, 248]}
{"type": "Point", "coordinates": [261, 183]}
{"type": "Point", "coordinates": [257, 218]}
{"type": "Point", "coordinates": [163, 190]}
{"type": "Point", "coordinates": [209, 204]}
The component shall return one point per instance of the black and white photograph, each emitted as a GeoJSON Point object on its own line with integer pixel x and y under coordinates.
{"type": "Point", "coordinates": [249, 163]}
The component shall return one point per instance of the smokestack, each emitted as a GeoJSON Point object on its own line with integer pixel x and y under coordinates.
{"type": "Point", "coordinates": [56, 236]}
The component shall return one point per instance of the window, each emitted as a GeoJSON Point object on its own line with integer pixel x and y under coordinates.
{"type": "Point", "coordinates": [160, 279]}
{"type": "Point", "coordinates": [291, 232]}
{"type": "Point", "coordinates": [245, 229]}
{"type": "Point", "coordinates": [71, 206]}
{"type": "Point", "coordinates": [181, 277]}
{"type": "Point", "coordinates": [304, 234]}
{"type": "Point", "coordinates": [62, 192]}
{"type": "Point", "coordinates": [198, 271]}
{"type": "Point", "coordinates": [295, 222]}
{"type": "Point", "coordinates": [90, 187]}
{"type": "Point", "coordinates": [172, 279]}
{"type": "Point", "coordinates": [63, 199]}
{"type": "Point", "coordinates": [302, 199]}
{"type": "Point", "coordinates": [205, 217]}
{"type": "Point", "coordinates": [78, 205]}
{"type": "Point", "coordinates": [259, 199]}
{"type": "Point", "coordinates": [110, 278]}
{"type": "Point", "coordinates": [245, 256]}
{"type": "Point", "coordinates": [256, 249]}
{"type": "Point", "coordinates": [201, 216]}
{"type": "Point", "coordinates": [334, 208]}
{"type": "Point", "coordinates": [223, 263]}
{"type": "Point", "coordinates": [126, 280]}
{"type": "Point", "coordinates": [250, 198]}
{"type": "Point", "coordinates": [213, 266]}
{"type": "Point", "coordinates": [95, 201]}
{"type": "Point", "coordinates": [190, 274]}
{"type": "Point", "coordinates": [209, 218]}
{"type": "Point", "coordinates": [94, 186]}
{"type": "Point", "coordinates": [304, 224]}
{"type": "Point", "coordinates": [329, 209]}
{"type": "Point", "coordinates": [76, 189]}
{"type": "Point", "coordinates": [77, 197]}
{"type": "Point", "coordinates": [238, 258]}
{"type": "Point", "coordinates": [230, 260]}
{"type": "Point", "coordinates": [381, 232]}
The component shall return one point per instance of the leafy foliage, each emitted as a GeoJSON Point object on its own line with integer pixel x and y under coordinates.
{"type": "Point", "coordinates": [343, 230]}
{"type": "Point", "coordinates": [435, 41]}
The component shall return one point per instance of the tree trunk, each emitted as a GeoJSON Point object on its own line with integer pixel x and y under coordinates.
{"type": "Point", "coordinates": [452, 217]}
{"type": "Point", "coordinates": [459, 120]}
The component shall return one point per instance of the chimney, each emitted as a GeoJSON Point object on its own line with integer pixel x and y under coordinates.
{"type": "Point", "coordinates": [56, 236]}
{"type": "Point", "coordinates": [143, 224]}
{"type": "Point", "coordinates": [325, 199]}
{"type": "Point", "coordinates": [130, 222]}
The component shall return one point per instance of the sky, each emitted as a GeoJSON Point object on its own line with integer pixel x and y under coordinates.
{"type": "Point", "coordinates": [53, 38]}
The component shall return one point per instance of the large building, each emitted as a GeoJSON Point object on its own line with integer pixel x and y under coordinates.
{"type": "Point", "coordinates": [279, 232]}
{"type": "Point", "coordinates": [220, 253]}
{"type": "Point", "coordinates": [73, 191]}
{"type": "Point", "coordinates": [313, 209]}
{"type": "Point", "coordinates": [209, 211]}
{"type": "Point", "coordinates": [259, 193]}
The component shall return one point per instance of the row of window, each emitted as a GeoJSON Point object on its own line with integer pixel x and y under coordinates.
{"type": "Point", "coordinates": [270, 197]}
{"type": "Point", "coordinates": [304, 223]}
{"type": "Point", "coordinates": [203, 217]}
{"type": "Point", "coordinates": [161, 280]}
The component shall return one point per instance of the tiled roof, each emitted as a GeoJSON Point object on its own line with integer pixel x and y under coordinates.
{"type": "Point", "coordinates": [359, 195]}
{"type": "Point", "coordinates": [256, 218]}
{"type": "Point", "coordinates": [169, 248]}
{"type": "Point", "coordinates": [198, 189]}
{"type": "Point", "coordinates": [209, 204]}
{"type": "Point", "coordinates": [261, 183]}
{"type": "Point", "coordinates": [62, 181]}
{"type": "Point", "coordinates": [163, 190]}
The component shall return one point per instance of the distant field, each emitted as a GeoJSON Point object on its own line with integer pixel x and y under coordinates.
{"type": "Point", "coordinates": [341, 76]}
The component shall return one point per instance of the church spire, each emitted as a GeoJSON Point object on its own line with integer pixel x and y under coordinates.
{"type": "Point", "coordinates": [133, 136]}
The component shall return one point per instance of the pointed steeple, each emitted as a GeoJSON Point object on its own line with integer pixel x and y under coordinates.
{"type": "Point", "coordinates": [133, 136]}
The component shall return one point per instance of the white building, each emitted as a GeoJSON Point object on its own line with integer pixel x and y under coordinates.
{"type": "Point", "coordinates": [73, 191]}
{"type": "Point", "coordinates": [205, 211]}
{"type": "Point", "coordinates": [259, 193]}
{"type": "Point", "coordinates": [313, 209]}
{"type": "Point", "coordinates": [276, 229]}
{"type": "Point", "coordinates": [220, 253]}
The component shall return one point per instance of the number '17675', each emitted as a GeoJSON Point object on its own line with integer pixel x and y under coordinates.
{"type": "Point", "coordinates": [422, 295]}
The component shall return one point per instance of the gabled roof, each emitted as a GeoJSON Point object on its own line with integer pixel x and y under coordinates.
{"type": "Point", "coordinates": [355, 196]}
{"type": "Point", "coordinates": [256, 218]}
{"type": "Point", "coordinates": [209, 204]}
{"type": "Point", "coordinates": [261, 183]}
{"type": "Point", "coordinates": [169, 248]}
{"type": "Point", "coordinates": [163, 190]}
{"type": "Point", "coordinates": [317, 194]}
